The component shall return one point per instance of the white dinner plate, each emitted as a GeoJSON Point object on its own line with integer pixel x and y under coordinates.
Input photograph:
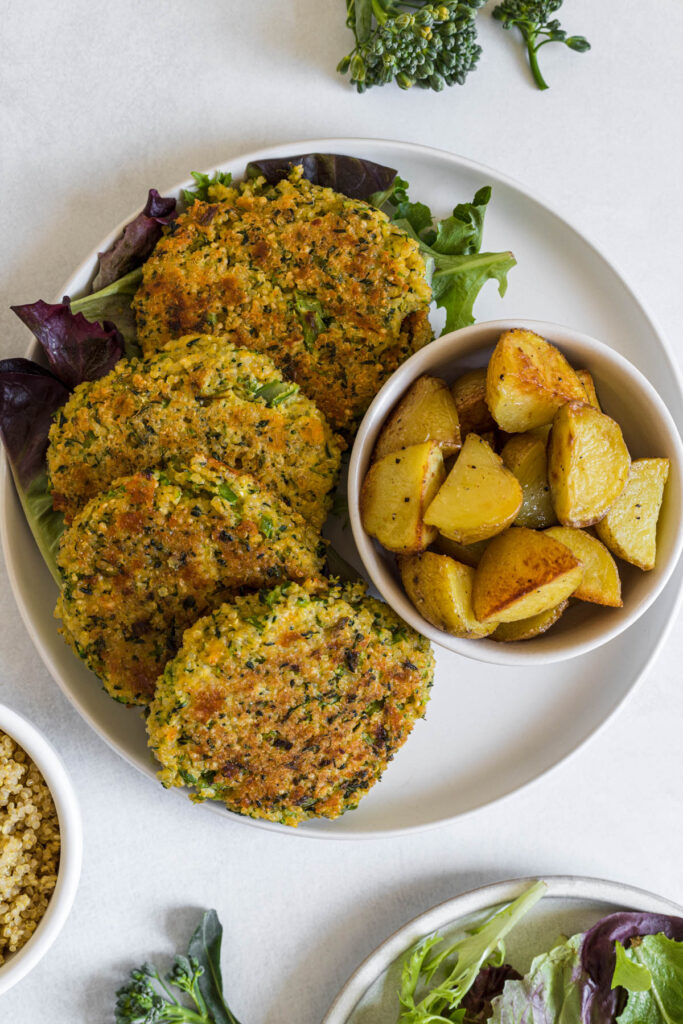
{"type": "Point", "coordinates": [570, 905]}
{"type": "Point", "coordinates": [489, 729]}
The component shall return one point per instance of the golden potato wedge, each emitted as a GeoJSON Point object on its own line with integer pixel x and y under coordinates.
{"type": "Point", "coordinates": [630, 527]}
{"type": "Point", "coordinates": [543, 432]}
{"type": "Point", "coordinates": [589, 387]}
{"type": "Point", "coordinates": [588, 464]}
{"type": "Point", "coordinates": [441, 590]}
{"type": "Point", "coordinates": [522, 573]}
{"type": "Point", "coordinates": [527, 381]}
{"type": "Point", "coordinates": [527, 629]}
{"type": "Point", "coordinates": [470, 554]}
{"type": "Point", "coordinates": [479, 498]}
{"type": "Point", "coordinates": [525, 456]}
{"type": "Point", "coordinates": [469, 395]}
{"type": "Point", "coordinates": [426, 412]}
{"type": "Point", "coordinates": [395, 493]}
{"type": "Point", "coordinates": [600, 583]}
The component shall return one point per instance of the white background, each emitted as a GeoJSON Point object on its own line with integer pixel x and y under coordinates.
{"type": "Point", "coordinates": [99, 101]}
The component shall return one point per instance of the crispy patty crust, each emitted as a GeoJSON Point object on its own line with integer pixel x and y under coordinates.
{"type": "Point", "coordinates": [147, 558]}
{"type": "Point", "coordinates": [288, 704]}
{"type": "Point", "coordinates": [201, 394]}
{"type": "Point", "coordinates": [327, 286]}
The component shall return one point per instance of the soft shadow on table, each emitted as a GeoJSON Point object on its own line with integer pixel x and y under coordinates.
{"type": "Point", "coordinates": [371, 919]}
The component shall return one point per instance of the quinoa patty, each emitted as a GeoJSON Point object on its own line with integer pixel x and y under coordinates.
{"type": "Point", "coordinates": [145, 559]}
{"type": "Point", "coordinates": [200, 394]}
{"type": "Point", "coordinates": [327, 286]}
{"type": "Point", "coordinates": [288, 704]}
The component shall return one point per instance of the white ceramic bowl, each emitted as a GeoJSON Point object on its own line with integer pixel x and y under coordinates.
{"type": "Point", "coordinates": [648, 429]}
{"type": "Point", "coordinates": [17, 965]}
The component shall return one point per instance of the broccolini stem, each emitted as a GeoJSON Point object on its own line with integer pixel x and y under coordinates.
{"type": "Point", "coordinates": [533, 63]}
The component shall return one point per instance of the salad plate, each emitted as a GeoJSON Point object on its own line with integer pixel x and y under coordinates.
{"type": "Point", "coordinates": [571, 904]}
{"type": "Point", "coordinates": [490, 730]}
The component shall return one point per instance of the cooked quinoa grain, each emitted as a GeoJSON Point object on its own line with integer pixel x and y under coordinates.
{"type": "Point", "coordinates": [147, 558]}
{"type": "Point", "coordinates": [29, 846]}
{"type": "Point", "coordinates": [201, 394]}
{"type": "Point", "coordinates": [327, 286]}
{"type": "Point", "coordinates": [288, 704]}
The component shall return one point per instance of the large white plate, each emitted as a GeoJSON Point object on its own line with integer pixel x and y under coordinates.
{"type": "Point", "coordinates": [570, 905]}
{"type": "Point", "coordinates": [489, 730]}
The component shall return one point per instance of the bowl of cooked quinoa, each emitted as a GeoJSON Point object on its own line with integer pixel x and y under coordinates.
{"type": "Point", "coordinates": [40, 846]}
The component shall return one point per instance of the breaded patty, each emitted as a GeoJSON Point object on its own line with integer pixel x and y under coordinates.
{"type": "Point", "coordinates": [200, 394]}
{"type": "Point", "coordinates": [334, 292]}
{"type": "Point", "coordinates": [288, 704]}
{"type": "Point", "coordinates": [147, 558]}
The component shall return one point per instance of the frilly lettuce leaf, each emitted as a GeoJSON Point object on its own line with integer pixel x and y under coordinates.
{"type": "Point", "coordinates": [551, 992]}
{"type": "Point", "coordinates": [660, 1001]}
{"type": "Point", "coordinates": [488, 984]}
{"type": "Point", "coordinates": [136, 241]}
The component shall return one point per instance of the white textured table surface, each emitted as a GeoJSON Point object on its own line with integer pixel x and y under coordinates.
{"type": "Point", "coordinates": [99, 101]}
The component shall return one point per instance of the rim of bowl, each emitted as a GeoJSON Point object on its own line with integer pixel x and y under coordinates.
{"type": "Point", "coordinates": [49, 763]}
{"type": "Point", "coordinates": [486, 650]}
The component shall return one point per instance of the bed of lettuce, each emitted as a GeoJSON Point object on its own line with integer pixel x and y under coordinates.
{"type": "Point", "coordinates": [82, 339]}
{"type": "Point", "coordinates": [626, 969]}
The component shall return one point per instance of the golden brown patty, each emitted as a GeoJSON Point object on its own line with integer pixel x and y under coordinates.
{"type": "Point", "coordinates": [200, 394]}
{"type": "Point", "coordinates": [332, 291]}
{"type": "Point", "coordinates": [288, 704]}
{"type": "Point", "coordinates": [145, 559]}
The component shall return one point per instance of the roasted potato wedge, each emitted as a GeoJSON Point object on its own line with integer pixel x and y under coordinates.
{"type": "Point", "coordinates": [525, 456]}
{"type": "Point", "coordinates": [479, 498]}
{"type": "Point", "coordinates": [395, 493]}
{"type": "Point", "coordinates": [527, 381]}
{"type": "Point", "coordinates": [441, 590]}
{"type": "Point", "coordinates": [589, 387]}
{"type": "Point", "coordinates": [630, 527]}
{"type": "Point", "coordinates": [522, 573]}
{"type": "Point", "coordinates": [600, 583]}
{"type": "Point", "coordinates": [426, 412]}
{"type": "Point", "coordinates": [527, 629]}
{"type": "Point", "coordinates": [469, 395]}
{"type": "Point", "coordinates": [588, 464]}
{"type": "Point", "coordinates": [470, 554]}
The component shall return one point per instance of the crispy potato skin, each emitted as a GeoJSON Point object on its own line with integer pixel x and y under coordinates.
{"type": "Point", "coordinates": [479, 498]}
{"type": "Point", "coordinates": [588, 464]}
{"type": "Point", "coordinates": [395, 493]}
{"type": "Point", "coordinates": [522, 573]}
{"type": "Point", "coordinates": [601, 583]}
{"type": "Point", "coordinates": [527, 381]}
{"type": "Point", "coordinates": [425, 413]}
{"type": "Point", "coordinates": [441, 590]}
{"type": "Point", "coordinates": [630, 527]}
{"type": "Point", "coordinates": [527, 629]}
{"type": "Point", "coordinates": [469, 395]}
{"type": "Point", "coordinates": [525, 456]}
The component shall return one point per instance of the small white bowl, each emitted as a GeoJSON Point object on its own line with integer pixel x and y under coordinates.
{"type": "Point", "coordinates": [627, 396]}
{"type": "Point", "coordinates": [42, 753]}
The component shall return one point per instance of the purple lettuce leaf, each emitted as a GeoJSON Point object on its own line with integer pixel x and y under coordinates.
{"type": "Point", "coordinates": [355, 178]}
{"type": "Point", "coordinates": [601, 1003]}
{"type": "Point", "coordinates": [76, 349]}
{"type": "Point", "coordinates": [29, 398]}
{"type": "Point", "coordinates": [488, 984]}
{"type": "Point", "coordinates": [137, 240]}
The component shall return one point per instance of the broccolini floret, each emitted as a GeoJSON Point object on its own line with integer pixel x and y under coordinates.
{"type": "Point", "coordinates": [537, 27]}
{"type": "Point", "coordinates": [430, 45]}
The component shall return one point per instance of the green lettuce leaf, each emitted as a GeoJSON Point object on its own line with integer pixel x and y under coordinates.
{"type": "Point", "coordinates": [549, 994]}
{"type": "Point", "coordinates": [437, 974]}
{"type": "Point", "coordinates": [114, 303]}
{"type": "Point", "coordinates": [662, 1001]}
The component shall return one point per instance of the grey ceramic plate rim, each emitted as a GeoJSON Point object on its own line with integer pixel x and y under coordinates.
{"type": "Point", "coordinates": [568, 887]}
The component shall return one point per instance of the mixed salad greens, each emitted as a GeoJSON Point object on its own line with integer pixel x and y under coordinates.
{"type": "Point", "coordinates": [626, 969]}
{"type": "Point", "coordinates": [82, 339]}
